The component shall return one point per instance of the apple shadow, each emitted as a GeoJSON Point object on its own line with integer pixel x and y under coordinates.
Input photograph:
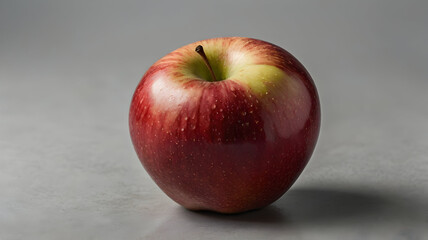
{"type": "Point", "coordinates": [323, 206]}
{"type": "Point", "coordinates": [269, 214]}
{"type": "Point", "coordinates": [310, 206]}
{"type": "Point", "coordinates": [300, 207]}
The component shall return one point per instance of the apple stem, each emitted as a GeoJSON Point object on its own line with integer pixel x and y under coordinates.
{"type": "Point", "coordinates": [200, 50]}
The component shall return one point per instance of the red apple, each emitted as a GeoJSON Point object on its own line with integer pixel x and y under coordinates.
{"type": "Point", "coordinates": [228, 127]}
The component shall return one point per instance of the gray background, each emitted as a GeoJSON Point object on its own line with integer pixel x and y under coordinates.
{"type": "Point", "coordinates": [68, 70]}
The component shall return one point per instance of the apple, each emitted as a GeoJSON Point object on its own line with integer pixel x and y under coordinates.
{"type": "Point", "coordinates": [225, 124]}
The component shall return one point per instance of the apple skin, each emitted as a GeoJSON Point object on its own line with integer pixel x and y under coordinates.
{"type": "Point", "coordinates": [227, 146]}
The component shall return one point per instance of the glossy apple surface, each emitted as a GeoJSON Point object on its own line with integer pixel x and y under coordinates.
{"type": "Point", "coordinates": [230, 144]}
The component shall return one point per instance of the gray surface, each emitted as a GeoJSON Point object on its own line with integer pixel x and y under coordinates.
{"type": "Point", "coordinates": [68, 70]}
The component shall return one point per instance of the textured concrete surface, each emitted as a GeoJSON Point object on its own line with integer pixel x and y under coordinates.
{"type": "Point", "coordinates": [68, 70]}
